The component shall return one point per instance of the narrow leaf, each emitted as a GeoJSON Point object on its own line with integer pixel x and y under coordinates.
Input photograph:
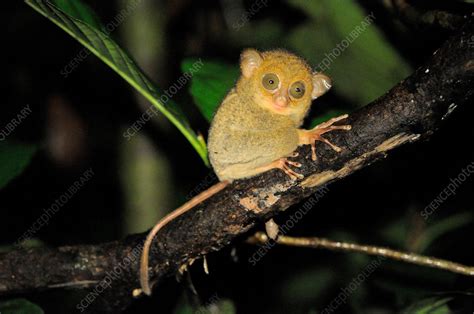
{"type": "Point", "coordinates": [80, 11]}
{"type": "Point", "coordinates": [19, 306]}
{"type": "Point", "coordinates": [100, 44]}
{"type": "Point", "coordinates": [433, 305]}
{"type": "Point", "coordinates": [14, 158]}
{"type": "Point", "coordinates": [442, 227]}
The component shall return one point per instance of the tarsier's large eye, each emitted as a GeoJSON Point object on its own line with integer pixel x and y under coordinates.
{"type": "Point", "coordinates": [297, 89]}
{"type": "Point", "coordinates": [270, 81]}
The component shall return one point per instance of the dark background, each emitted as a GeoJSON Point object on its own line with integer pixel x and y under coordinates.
{"type": "Point", "coordinates": [77, 123]}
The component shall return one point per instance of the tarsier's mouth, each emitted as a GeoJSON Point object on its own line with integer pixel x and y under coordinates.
{"type": "Point", "coordinates": [279, 107]}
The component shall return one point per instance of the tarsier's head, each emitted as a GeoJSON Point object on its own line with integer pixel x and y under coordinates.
{"type": "Point", "coordinates": [281, 82]}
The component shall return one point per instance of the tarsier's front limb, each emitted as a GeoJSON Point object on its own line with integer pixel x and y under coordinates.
{"type": "Point", "coordinates": [306, 137]}
{"type": "Point", "coordinates": [309, 137]}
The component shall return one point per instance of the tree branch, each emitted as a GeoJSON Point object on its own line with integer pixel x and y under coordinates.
{"type": "Point", "coordinates": [422, 17]}
{"type": "Point", "coordinates": [322, 243]}
{"type": "Point", "coordinates": [410, 111]}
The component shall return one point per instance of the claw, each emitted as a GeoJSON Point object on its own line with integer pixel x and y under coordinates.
{"type": "Point", "coordinates": [336, 148]}
{"type": "Point", "coordinates": [283, 165]}
{"type": "Point", "coordinates": [294, 154]}
{"type": "Point", "coordinates": [294, 163]}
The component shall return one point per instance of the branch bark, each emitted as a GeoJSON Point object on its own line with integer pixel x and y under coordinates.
{"type": "Point", "coordinates": [410, 111]}
{"type": "Point", "coordinates": [433, 17]}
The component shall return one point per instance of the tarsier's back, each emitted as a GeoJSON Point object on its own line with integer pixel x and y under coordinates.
{"type": "Point", "coordinates": [243, 138]}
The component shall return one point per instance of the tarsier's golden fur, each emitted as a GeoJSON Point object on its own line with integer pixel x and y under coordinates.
{"type": "Point", "coordinates": [256, 128]}
{"type": "Point", "coordinates": [248, 132]}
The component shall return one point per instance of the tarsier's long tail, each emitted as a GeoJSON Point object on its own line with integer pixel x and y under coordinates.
{"type": "Point", "coordinates": [201, 197]}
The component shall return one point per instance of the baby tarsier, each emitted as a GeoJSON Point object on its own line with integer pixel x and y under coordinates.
{"type": "Point", "coordinates": [256, 128]}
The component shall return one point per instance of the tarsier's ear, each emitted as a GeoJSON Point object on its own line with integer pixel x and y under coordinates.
{"type": "Point", "coordinates": [321, 84]}
{"type": "Point", "coordinates": [250, 59]}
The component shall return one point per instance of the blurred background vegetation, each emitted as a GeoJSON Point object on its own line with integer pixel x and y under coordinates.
{"type": "Point", "coordinates": [78, 122]}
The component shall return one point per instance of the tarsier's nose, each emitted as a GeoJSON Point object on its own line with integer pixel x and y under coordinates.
{"type": "Point", "coordinates": [281, 100]}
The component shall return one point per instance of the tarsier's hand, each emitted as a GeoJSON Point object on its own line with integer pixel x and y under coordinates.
{"type": "Point", "coordinates": [309, 137]}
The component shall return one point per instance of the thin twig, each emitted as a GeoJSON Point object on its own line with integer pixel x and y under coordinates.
{"type": "Point", "coordinates": [314, 242]}
{"type": "Point", "coordinates": [82, 283]}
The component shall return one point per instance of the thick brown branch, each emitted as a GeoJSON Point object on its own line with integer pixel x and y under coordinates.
{"type": "Point", "coordinates": [410, 111]}
{"type": "Point", "coordinates": [430, 15]}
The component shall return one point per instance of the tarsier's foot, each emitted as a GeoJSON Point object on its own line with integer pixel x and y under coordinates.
{"type": "Point", "coordinates": [284, 164]}
{"type": "Point", "coordinates": [310, 137]}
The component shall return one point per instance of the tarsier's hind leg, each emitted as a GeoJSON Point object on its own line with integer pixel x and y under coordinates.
{"type": "Point", "coordinates": [247, 170]}
{"type": "Point", "coordinates": [284, 165]}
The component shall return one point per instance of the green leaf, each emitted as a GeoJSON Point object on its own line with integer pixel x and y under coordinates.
{"type": "Point", "coordinates": [210, 84]}
{"type": "Point", "coordinates": [111, 54]}
{"type": "Point", "coordinates": [217, 306]}
{"type": "Point", "coordinates": [430, 306]}
{"type": "Point", "coordinates": [442, 227]}
{"type": "Point", "coordinates": [259, 33]}
{"type": "Point", "coordinates": [362, 70]}
{"type": "Point", "coordinates": [19, 306]}
{"type": "Point", "coordinates": [221, 307]}
{"type": "Point", "coordinates": [80, 11]}
{"type": "Point", "coordinates": [326, 116]}
{"type": "Point", "coordinates": [306, 285]}
{"type": "Point", "coordinates": [395, 232]}
{"type": "Point", "coordinates": [14, 157]}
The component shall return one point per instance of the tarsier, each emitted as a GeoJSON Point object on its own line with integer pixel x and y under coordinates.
{"type": "Point", "coordinates": [257, 128]}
